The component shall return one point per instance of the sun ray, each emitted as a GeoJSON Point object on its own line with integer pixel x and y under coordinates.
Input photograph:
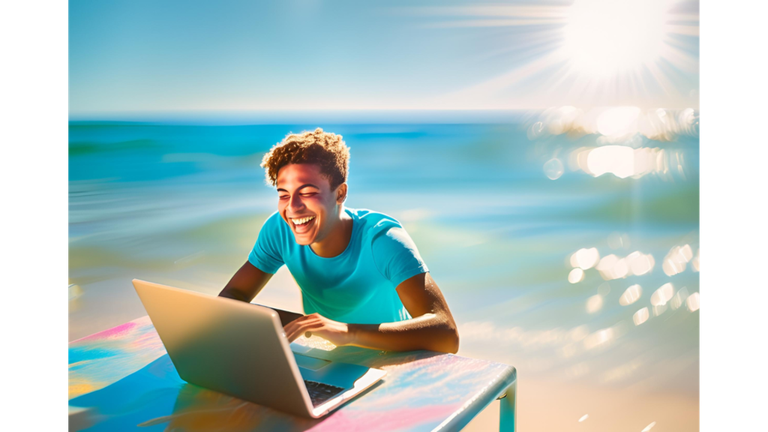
{"type": "Point", "coordinates": [607, 51]}
{"type": "Point", "coordinates": [499, 83]}
{"type": "Point", "coordinates": [558, 79]}
{"type": "Point", "coordinates": [682, 60]}
{"type": "Point", "coordinates": [518, 11]}
{"type": "Point", "coordinates": [537, 42]}
{"type": "Point", "coordinates": [687, 30]}
{"type": "Point", "coordinates": [662, 79]}
{"type": "Point", "coordinates": [494, 23]}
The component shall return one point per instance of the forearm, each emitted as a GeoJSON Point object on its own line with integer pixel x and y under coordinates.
{"type": "Point", "coordinates": [429, 331]}
{"type": "Point", "coordinates": [285, 316]}
{"type": "Point", "coordinates": [433, 327]}
{"type": "Point", "coordinates": [246, 283]}
{"type": "Point", "coordinates": [235, 294]}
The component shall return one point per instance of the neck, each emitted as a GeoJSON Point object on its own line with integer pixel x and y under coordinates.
{"type": "Point", "coordinates": [337, 239]}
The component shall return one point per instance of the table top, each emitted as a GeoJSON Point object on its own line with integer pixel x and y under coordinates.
{"type": "Point", "coordinates": [122, 378]}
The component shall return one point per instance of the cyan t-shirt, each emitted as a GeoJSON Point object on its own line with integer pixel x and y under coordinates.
{"type": "Point", "coordinates": [357, 286]}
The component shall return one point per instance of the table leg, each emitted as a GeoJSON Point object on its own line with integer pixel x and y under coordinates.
{"type": "Point", "coordinates": [508, 409]}
{"type": "Point", "coordinates": [81, 418]}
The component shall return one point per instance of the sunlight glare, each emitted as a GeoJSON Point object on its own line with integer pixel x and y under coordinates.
{"type": "Point", "coordinates": [585, 258]}
{"type": "Point", "coordinates": [640, 316]}
{"type": "Point", "coordinates": [614, 159]}
{"type": "Point", "coordinates": [553, 168]}
{"type": "Point", "coordinates": [576, 275]}
{"type": "Point", "coordinates": [640, 263]}
{"type": "Point", "coordinates": [631, 295]}
{"type": "Point", "coordinates": [598, 338]}
{"type": "Point", "coordinates": [693, 302]}
{"type": "Point", "coordinates": [618, 121]}
{"type": "Point", "coordinates": [662, 295]}
{"type": "Point", "coordinates": [649, 427]}
{"type": "Point", "coordinates": [676, 260]}
{"type": "Point", "coordinates": [595, 303]}
{"type": "Point", "coordinates": [605, 37]}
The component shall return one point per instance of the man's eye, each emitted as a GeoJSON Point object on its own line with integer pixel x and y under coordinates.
{"type": "Point", "coordinates": [309, 194]}
{"type": "Point", "coordinates": [282, 197]}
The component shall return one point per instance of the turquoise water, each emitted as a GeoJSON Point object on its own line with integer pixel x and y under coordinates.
{"type": "Point", "coordinates": [182, 204]}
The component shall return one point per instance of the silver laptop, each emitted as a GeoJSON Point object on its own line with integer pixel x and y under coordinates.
{"type": "Point", "coordinates": [240, 349]}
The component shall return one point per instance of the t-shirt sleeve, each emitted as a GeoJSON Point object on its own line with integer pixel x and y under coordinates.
{"type": "Point", "coordinates": [396, 256]}
{"type": "Point", "coordinates": [266, 254]}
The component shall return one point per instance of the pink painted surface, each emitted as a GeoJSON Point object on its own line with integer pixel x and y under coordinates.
{"type": "Point", "coordinates": [122, 379]}
{"type": "Point", "coordinates": [103, 358]}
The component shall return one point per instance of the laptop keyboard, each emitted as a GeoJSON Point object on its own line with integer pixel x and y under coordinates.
{"type": "Point", "coordinates": [319, 392]}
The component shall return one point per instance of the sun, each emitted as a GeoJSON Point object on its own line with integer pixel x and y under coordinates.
{"type": "Point", "coordinates": [610, 37]}
{"type": "Point", "coordinates": [594, 52]}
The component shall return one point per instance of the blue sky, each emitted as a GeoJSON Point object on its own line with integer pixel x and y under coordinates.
{"type": "Point", "coordinates": [179, 56]}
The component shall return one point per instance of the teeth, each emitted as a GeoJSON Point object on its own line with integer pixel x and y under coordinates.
{"type": "Point", "coordinates": [302, 221]}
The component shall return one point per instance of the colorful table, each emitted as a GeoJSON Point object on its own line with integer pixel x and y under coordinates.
{"type": "Point", "coordinates": [122, 379]}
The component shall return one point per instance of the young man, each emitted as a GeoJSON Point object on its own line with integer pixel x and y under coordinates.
{"type": "Point", "coordinates": [362, 279]}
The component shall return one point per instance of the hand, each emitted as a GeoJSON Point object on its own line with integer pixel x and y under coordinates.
{"type": "Point", "coordinates": [335, 332]}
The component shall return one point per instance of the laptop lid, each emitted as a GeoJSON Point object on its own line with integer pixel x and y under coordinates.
{"type": "Point", "coordinates": [227, 345]}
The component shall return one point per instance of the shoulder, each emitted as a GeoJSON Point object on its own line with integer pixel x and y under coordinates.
{"type": "Point", "coordinates": [268, 252]}
{"type": "Point", "coordinates": [394, 253]}
{"type": "Point", "coordinates": [374, 223]}
{"type": "Point", "coordinates": [273, 220]}
{"type": "Point", "coordinates": [385, 233]}
{"type": "Point", "coordinates": [273, 226]}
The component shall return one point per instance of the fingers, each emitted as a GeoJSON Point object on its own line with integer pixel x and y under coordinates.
{"type": "Point", "coordinates": [317, 325]}
{"type": "Point", "coordinates": [292, 334]}
{"type": "Point", "coordinates": [301, 325]}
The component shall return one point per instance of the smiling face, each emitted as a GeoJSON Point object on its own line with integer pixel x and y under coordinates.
{"type": "Point", "coordinates": [307, 203]}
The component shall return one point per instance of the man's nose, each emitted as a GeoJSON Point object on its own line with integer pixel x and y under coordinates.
{"type": "Point", "coordinates": [295, 204]}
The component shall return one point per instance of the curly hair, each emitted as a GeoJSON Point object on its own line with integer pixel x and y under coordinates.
{"type": "Point", "coordinates": [325, 149]}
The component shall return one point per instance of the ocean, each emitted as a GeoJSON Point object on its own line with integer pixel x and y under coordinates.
{"type": "Point", "coordinates": [557, 256]}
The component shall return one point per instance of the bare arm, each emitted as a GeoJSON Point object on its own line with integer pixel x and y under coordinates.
{"type": "Point", "coordinates": [246, 283]}
{"type": "Point", "coordinates": [431, 328]}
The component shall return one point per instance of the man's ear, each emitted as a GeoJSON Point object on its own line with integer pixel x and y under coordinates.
{"type": "Point", "coordinates": [341, 193]}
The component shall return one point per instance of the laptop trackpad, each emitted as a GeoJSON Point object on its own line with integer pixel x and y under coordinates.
{"type": "Point", "coordinates": [310, 363]}
{"type": "Point", "coordinates": [342, 375]}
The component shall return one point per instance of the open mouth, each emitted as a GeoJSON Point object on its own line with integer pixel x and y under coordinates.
{"type": "Point", "coordinates": [302, 225]}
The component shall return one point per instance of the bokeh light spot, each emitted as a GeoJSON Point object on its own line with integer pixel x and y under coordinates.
{"type": "Point", "coordinates": [631, 295]}
{"type": "Point", "coordinates": [640, 316]}
{"type": "Point", "coordinates": [576, 275]}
